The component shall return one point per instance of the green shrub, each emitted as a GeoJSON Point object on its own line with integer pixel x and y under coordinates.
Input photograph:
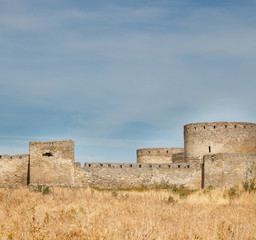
{"type": "Point", "coordinates": [232, 193]}
{"type": "Point", "coordinates": [42, 189]}
{"type": "Point", "coordinates": [46, 190]}
{"type": "Point", "coordinates": [183, 195]}
{"type": "Point", "coordinates": [249, 185]}
{"type": "Point", "coordinates": [170, 200]}
{"type": "Point", "coordinates": [208, 189]}
{"type": "Point", "coordinates": [114, 194]}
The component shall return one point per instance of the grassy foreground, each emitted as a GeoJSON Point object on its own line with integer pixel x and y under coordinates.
{"type": "Point", "coordinates": [65, 213]}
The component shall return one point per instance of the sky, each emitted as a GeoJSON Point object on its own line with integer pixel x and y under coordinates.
{"type": "Point", "coordinates": [116, 76]}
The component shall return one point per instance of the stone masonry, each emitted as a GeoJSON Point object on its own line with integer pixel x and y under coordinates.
{"type": "Point", "coordinates": [215, 154]}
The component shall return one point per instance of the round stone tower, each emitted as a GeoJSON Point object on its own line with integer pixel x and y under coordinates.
{"type": "Point", "coordinates": [218, 137]}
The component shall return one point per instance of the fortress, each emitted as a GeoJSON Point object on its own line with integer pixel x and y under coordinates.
{"type": "Point", "coordinates": [215, 154]}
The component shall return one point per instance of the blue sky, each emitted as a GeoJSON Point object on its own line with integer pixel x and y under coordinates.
{"type": "Point", "coordinates": [115, 76]}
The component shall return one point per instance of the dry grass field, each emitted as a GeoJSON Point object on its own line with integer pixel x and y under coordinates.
{"type": "Point", "coordinates": [66, 213]}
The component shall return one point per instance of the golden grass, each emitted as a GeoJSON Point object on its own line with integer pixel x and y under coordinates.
{"type": "Point", "coordinates": [84, 213]}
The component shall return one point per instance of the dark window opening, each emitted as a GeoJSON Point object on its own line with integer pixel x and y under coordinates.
{"type": "Point", "coordinates": [195, 128]}
{"type": "Point", "coordinates": [130, 165]}
{"type": "Point", "coordinates": [167, 151]}
{"type": "Point", "coordinates": [209, 149]}
{"type": "Point", "coordinates": [20, 157]}
{"type": "Point", "coordinates": [148, 151]}
{"type": "Point", "coordinates": [101, 165]}
{"type": "Point", "coordinates": [89, 165]}
{"type": "Point", "coordinates": [188, 166]}
{"type": "Point", "coordinates": [204, 127]}
{"type": "Point", "coordinates": [169, 166]}
{"type": "Point", "coordinates": [121, 166]}
{"type": "Point", "coordinates": [0, 156]}
{"type": "Point", "coordinates": [150, 166]}
{"type": "Point", "coordinates": [178, 166]}
{"type": "Point", "coordinates": [244, 126]}
{"type": "Point", "coordinates": [109, 165]}
{"type": "Point", "coordinates": [159, 166]}
{"type": "Point", "coordinates": [139, 166]}
{"type": "Point", "coordinates": [235, 126]}
{"type": "Point", "coordinates": [225, 126]}
{"type": "Point", "coordinates": [214, 127]}
{"type": "Point", "coordinates": [48, 154]}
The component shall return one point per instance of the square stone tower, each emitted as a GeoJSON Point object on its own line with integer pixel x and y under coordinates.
{"type": "Point", "coordinates": [51, 163]}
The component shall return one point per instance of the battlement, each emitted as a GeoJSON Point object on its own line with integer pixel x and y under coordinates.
{"type": "Point", "coordinates": [138, 165]}
{"type": "Point", "coordinates": [218, 126]}
{"type": "Point", "coordinates": [13, 157]}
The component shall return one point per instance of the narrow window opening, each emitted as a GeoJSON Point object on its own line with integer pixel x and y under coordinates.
{"type": "Point", "coordinates": [148, 151]}
{"type": "Point", "coordinates": [210, 149]}
{"type": "Point", "coordinates": [48, 154]}
{"type": "Point", "coordinates": [204, 127]}
{"type": "Point", "coordinates": [109, 165]}
{"type": "Point", "coordinates": [188, 166]}
{"type": "Point", "coordinates": [225, 126]}
{"type": "Point", "coordinates": [214, 127]}
{"type": "Point", "coordinates": [195, 128]}
{"type": "Point", "coordinates": [121, 166]}
{"type": "Point", "coordinates": [150, 166]}
{"type": "Point", "coordinates": [169, 166]}
{"type": "Point", "coordinates": [101, 165]}
{"type": "Point", "coordinates": [235, 126]}
{"type": "Point", "coordinates": [89, 165]}
{"type": "Point", "coordinates": [130, 165]}
{"type": "Point", "coordinates": [139, 166]}
{"type": "Point", "coordinates": [167, 151]}
{"type": "Point", "coordinates": [178, 166]}
{"type": "Point", "coordinates": [159, 166]}
{"type": "Point", "coordinates": [0, 156]}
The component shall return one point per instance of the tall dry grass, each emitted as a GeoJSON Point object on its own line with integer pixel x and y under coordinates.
{"type": "Point", "coordinates": [67, 213]}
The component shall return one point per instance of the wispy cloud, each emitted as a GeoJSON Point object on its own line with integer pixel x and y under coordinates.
{"type": "Point", "coordinates": [101, 72]}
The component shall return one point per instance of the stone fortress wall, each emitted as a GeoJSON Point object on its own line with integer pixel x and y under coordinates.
{"type": "Point", "coordinates": [14, 170]}
{"type": "Point", "coordinates": [134, 175]}
{"type": "Point", "coordinates": [160, 155]}
{"type": "Point", "coordinates": [216, 154]}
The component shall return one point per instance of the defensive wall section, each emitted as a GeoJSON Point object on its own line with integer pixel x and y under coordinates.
{"type": "Point", "coordinates": [224, 169]}
{"type": "Point", "coordinates": [217, 154]}
{"type": "Point", "coordinates": [160, 155]}
{"type": "Point", "coordinates": [134, 175]}
{"type": "Point", "coordinates": [14, 170]}
{"type": "Point", "coordinates": [218, 137]}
